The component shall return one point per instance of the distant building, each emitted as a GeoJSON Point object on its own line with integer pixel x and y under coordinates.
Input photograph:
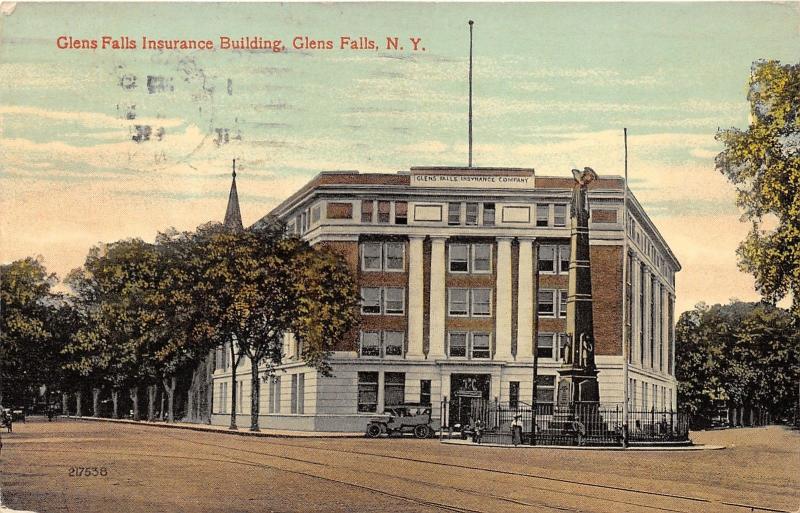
{"type": "Point", "coordinates": [445, 262]}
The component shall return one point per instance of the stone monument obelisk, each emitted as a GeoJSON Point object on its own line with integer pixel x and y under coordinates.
{"type": "Point", "coordinates": [578, 374]}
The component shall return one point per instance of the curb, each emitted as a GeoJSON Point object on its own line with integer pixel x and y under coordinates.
{"type": "Point", "coordinates": [590, 448]}
{"type": "Point", "coordinates": [204, 429]}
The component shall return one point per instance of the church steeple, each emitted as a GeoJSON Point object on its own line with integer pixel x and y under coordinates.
{"type": "Point", "coordinates": [233, 216]}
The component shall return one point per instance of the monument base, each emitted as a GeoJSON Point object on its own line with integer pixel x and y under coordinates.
{"type": "Point", "coordinates": [577, 404]}
{"type": "Point", "coordinates": [577, 386]}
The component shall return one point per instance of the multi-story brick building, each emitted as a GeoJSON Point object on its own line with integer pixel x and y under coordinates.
{"type": "Point", "coordinates": [452, 304]}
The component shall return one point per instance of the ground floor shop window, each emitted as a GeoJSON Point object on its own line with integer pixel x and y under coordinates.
{"type": "Point", "coordinates": [368, 392]}
{"type": "Point", "coordinates": [394, 388]}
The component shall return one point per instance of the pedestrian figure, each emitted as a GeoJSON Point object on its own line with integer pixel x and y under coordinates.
{"type": "Point", "coordinates": [476, 437]}
{"type": "Point", "coordinates": [516, 430]}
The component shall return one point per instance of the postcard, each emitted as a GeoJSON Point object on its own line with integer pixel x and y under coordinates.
{"type": "Point", "coordinates": [352, 257]}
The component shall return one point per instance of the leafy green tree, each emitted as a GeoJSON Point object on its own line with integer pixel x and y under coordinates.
{"type": "Point", "coordinates": [109, 289]}
{"type": "Point", "coordinates": [763, 162]}
{"type": "Point", "coordinates": [327, 309]}
{"type": "Point", "coordinates": [257, 285]}
{"type": "Point", "coordinates": [745, 354]}
{"type": "Point", "coordinates": [25, 303]}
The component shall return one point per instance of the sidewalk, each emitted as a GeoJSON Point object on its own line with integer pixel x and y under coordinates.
{"type": "Point", "coordinates": [242, 431]}
{"type": "Point", "coordinates": [591, 448]}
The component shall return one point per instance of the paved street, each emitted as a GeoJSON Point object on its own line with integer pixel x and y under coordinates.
{"type": "Point", "coordinates": [147, 469]}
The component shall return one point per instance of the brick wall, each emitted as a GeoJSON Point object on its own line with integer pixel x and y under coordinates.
{"type": "Point", "coordinates": [607, 299]}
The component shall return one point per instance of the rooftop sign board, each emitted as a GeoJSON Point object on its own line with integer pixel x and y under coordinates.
{"type": "Point", "coordinates": [474, 181]}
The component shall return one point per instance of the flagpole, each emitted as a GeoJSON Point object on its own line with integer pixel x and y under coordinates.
{"type": "Point", "coordinates": [625, 292]}
{"type": "Point", "coordinates": [470, 92]}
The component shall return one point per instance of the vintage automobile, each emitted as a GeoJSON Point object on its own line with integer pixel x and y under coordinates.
{"type": "Point", "coordinates": [404, 418]}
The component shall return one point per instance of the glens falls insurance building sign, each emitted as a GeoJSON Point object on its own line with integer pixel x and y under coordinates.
{"type": "Point", "coordinates": [477, 181]}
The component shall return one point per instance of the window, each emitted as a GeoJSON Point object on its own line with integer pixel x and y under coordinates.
{"type": "Point", "coordinates": [393, 343]}
{"type": "Point", "coordinates": [401, 212]}
{"type": "Point", "coordinates": [560, 218]}
{"type": "Point", "coordinates": [301, 393]}
{"type": "Point", "coordinates": [368, 392]}
{"type": "Point", "coordinates": [383, 211]}
{"type": "Point", "coordinates": [562, 303]}
{"type": "Point", "coordinates": [371, 300]}
{"type": "Point", "coordinates": [459, 258]}
{"type": "Point", "coordinates": [394, 388]}
{"type": "Point", "coordinates": [240, 397]}
{"type": "Point", "coordinates": [293, 401]}
{"type": "Point", "coordinates": [457, 302]}
{"type": "Point", "coordinates": [370, 343]}
{"type": "Point", "coordinates": [546, 305]}
{"type": "Point", "coordinates": [513, 394]}
{"type": "Point", "coordinates": [394, 301]}
{"type": "Point", "coordinates": [366, 211]}
{"type": "Point", "coordinates": [472, 214]}
{"type": "Point", "coordinates": [315, 213]}
{"type": "Point", "coordinates": [392, 346]}
{"type": "Point", "coordinates": [223, 398]}
{"type": "Point", "coordinates": [547, 259]}
{"type": "Point", "coordinates": [542, 215]}
{"type": "Point", "coordinates": [481, 258]}
{"type": "Point", "coordinates": [645, 401]}
{"type": "Point", "coordinates": [481, 302]}
{"type": "Point", "coordinates": [371, 256]}
{"type": "Point", "coordinates": [377, 256]}
{"type": "Point", "coordinates": [458, 344]}
{"type": "Point", "coordinates": [545, 389]}
{"type": "Point", "coordinates": [454, 213]}
{"type": "Point", "coordinates": [488, 214]}
{"type": "Point", "coordinates": [425, 391]}
{"type": "Point", "coordinates": [275, 395]}
{"type": "Point", "coordinates": [475, 345]}
{"type": "Point", "coordinates": [480, 345]}
{"type": "Point", "coordinates": [544, 345]}
{"type": "Point", "coordinates": [466, 302]}
{"type": "Point", "coordinates": [394, 256]}
{"type": "Point", "coordinates": [563, 259]}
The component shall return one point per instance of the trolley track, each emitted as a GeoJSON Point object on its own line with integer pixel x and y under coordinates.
{"type": "Point", "coordinates": [254, 464]}
{"type": "Point", "coordinates": [637, 491]}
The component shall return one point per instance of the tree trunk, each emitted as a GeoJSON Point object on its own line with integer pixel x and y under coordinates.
{"type": "Point", "coordinates": [64, 403]}
{"type": "Point", "coordinates": [151, 403]}
{"type": "Point", "coordinates": [209, 391]}
{"type": "Point", "coordinates": [96, 402]}
{"type": "Point", "coordinates": [169, 386]}
{"type": "Point", "coordinates": [234, 392]}
{"type": "Point", "coordinates": [190, 414]}
{"type": "Point", "coordinates": [162, 411]}
{"type": "Point", "coordinates": [134, 395]}
{"type": "Point", "coordinates": [78, 405]}
{"type": "Point", "coordinates": [255, 386]}
{"type": "Point", "coordinates": [115, 400]}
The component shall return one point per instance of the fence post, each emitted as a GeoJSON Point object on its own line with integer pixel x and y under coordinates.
{"type": "Point", "coordinates": [671, 423]}
{"type": "Point", "coordinates": [652, 420]}
{"type": "Point", "coordinates": [441, 418]}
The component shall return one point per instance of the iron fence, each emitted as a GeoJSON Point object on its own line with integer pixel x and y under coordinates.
{"type": "Point", "coordinates": [594, 424]}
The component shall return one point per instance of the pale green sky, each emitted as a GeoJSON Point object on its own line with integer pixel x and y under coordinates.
{"type": "Point", "coordinates": [554, 85]}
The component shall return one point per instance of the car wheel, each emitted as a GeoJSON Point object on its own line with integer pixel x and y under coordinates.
{"type": "Point", "coordinates": [421, 431]}
{"type": "Point", "coordinates": [373, 431]}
